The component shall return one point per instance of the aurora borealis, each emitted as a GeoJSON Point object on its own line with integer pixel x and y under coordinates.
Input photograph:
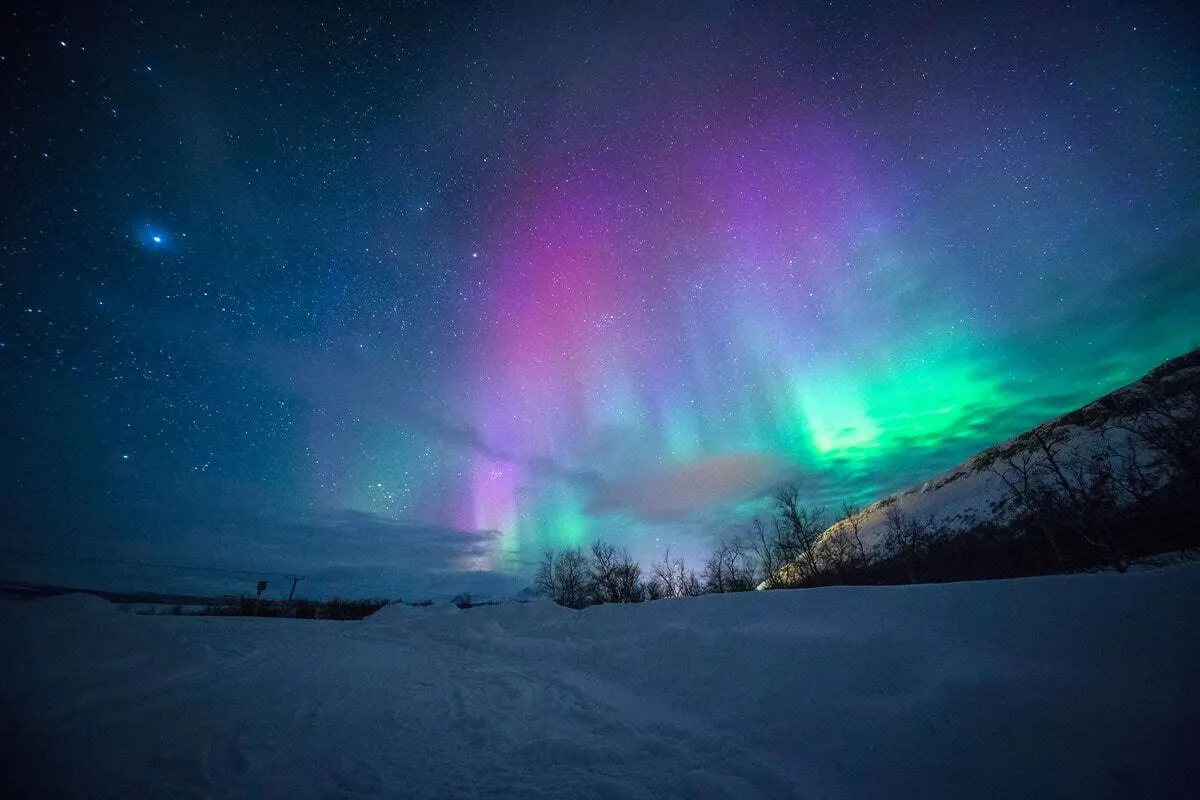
{"type": "Point", "coordinates": [408, 293]}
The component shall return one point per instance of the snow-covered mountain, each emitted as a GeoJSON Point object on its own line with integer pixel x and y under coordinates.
{"type": "Point", "coordinates": [975, 490]}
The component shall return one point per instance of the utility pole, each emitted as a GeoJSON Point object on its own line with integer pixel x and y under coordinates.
{"type": "Point", "coordinates": [294, 579]}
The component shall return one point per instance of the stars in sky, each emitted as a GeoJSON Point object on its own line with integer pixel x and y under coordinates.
{"type": "Point", "coordinates": [154, 237]}
{"type": "Point", "coordinates": [570, 273]}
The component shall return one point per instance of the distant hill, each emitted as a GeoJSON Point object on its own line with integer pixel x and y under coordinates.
{"type": "Point", "coordinates": [19, 590]}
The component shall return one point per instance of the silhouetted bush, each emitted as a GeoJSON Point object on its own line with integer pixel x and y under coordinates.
{"type": "Point", "coordinates": [335, 609]}
{"type": "Point", "coordinates": [607, 574]}
{"type": "Point", "coordinates": [349, 609]}
{"type": "Point", "coordinates": [613, 576]}
{"type": "Point", "coordinates": [730, 568]}
{"type": "Point", "coordinates": [672, 578]}
{"type": "Point", "coordinates": [1116, 511]}
{"type": "Point", "coordinates": [563, 577]}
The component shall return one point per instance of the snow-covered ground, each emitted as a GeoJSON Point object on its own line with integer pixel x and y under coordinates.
{"type": "Point", "coordinates": [1073, 686]}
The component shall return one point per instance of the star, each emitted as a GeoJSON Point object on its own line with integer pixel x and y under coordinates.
{"type": "Point", "coordinates": [153, 237]}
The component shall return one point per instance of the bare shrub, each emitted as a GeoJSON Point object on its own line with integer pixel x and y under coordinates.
{"type": "Point", "coordinates": [615, 577]}
{"type": "Point", "coordinates": [840, 551]}
{"type": "Point", "coordinates": [564, 577]}
{"type": "Point", "coordinates": [730, 568]}
{"type": "Point", "coordinates": [767, 553]}
{"type": "Point", "coordinates": [798, 528]}
{"type": "Point", "coordinates": [672, 578]}
{"type": "Point", "coordinates": [1069, 500]}
{"type": "Point", "coordinates": [907, 540]}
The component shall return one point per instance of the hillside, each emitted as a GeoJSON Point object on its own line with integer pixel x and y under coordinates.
{"type": "Point", "coordinates": [25, 590]}
{"type": "Point", "coordinates": [1110, 428]}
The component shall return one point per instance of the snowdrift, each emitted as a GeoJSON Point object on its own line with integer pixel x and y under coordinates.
{"type": "Point", "coordinates": [1069, 686]}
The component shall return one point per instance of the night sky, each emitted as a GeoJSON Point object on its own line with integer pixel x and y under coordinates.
{"type": "Point", "coordinates": [399, 295]}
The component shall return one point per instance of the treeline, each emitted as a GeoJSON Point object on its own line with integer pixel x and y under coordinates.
{"type": "Point", "coordinates": [337, 608]}
{"type": "Point", "coordinates": [1130, 490]}
{"type": "Point", "coordinates": [790, 551]}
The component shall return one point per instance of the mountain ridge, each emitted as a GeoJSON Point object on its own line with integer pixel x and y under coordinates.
{"type": "Point", "coordinates": [973, 491]}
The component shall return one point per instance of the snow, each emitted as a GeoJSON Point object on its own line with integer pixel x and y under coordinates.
{"type": "Point", "coordinates": [1083, 686]}
{"type": "Point", "coordinates": [960, 498]}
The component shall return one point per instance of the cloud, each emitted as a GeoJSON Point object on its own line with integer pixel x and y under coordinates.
{"type": "Point", "coordinates": [690, 490]}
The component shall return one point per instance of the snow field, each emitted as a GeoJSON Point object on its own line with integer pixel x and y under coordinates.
{"type": "Point", "coordinates": [1067, 686]}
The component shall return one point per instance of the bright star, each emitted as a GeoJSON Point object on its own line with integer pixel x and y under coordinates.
{"type": "Point", "coordinates": [153, 237]}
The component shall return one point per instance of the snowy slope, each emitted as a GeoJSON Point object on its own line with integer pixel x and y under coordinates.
{"type": "Point", "coordinates": [1067, 686]}
{"type": "Point", "coordinates": [971, 493]}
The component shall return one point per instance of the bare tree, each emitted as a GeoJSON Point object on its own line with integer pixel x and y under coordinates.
{"type": "Point", "coordinates": [687, 583]}
{"type": "Point", "coordinates": [1018, 471]}
{"type": "Point", "coordinates": [544, 580]}
{"type": "Point", "coordinates": [1063, 494]}
{"type": "Point", "coordinates": [662, 577]}
{"type": "Point", "coordinates": [730, 568]}
{"type": "Point", "coordinates": [798, 528]}
{"type": "Point", "coordinates": [714, 575]}
{"type": "Point", "coordinates": [840, 550]}
{"type": "Point", "coordinates": [672, 578]}
{"type": "Point", "coordinates": [564, 577]}
{"type": "Point", "coordinates": [852, 521]}
{"type": "Point", "coordinates": [1096, 485]}
{"type": "Point", "coordinates": [1170, 426]}
{"type": "Point", "coordinates": [603, 571]}
{"type": "Point", "coordinates": [1157, 464]}
{"type": "Point", "coordinates": [630, 588]}
{"type": "Point", "coordinates": [770, 559]}
{"type": "Point", "coordinates": [615, 577]}
{"type": "Point", "coordinates": [1137, 470]}
{"type": "Point", "coordinates": [907, 539]}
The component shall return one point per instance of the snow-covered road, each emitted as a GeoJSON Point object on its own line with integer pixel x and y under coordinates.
{"type": "Point", "coordinates": [1080, 686]}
